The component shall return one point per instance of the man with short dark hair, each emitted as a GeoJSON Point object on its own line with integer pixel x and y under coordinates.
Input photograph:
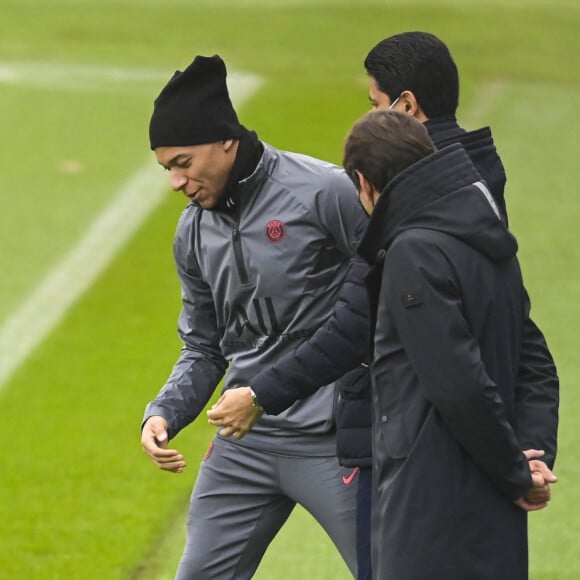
{"type": "Point", "coordinates": [448, 308]}
{"type": "Point", "coordinates": [261, 251]}
{"type": "Point", "coordinates": [414, 72]}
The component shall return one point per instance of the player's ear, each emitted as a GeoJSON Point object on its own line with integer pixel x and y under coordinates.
{"type": "Point", "coordinates": [228, 144]}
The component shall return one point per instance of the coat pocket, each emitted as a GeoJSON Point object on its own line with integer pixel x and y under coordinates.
{"type": "Point", "coordinates": [398, 411]}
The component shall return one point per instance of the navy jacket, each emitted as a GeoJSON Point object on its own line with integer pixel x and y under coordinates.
{"type": "Point", "coordinates": [339, 347]}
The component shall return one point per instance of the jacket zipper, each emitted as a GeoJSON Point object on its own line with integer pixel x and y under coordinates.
{"type": "Point", "coordinates": [239, 255]}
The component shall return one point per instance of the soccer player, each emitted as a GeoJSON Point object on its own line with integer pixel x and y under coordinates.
{"type": "Point", "coordinates": [262, 249]}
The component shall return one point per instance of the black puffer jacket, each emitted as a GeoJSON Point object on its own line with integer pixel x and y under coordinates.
{"type": "Point", "coordinates": [340, 347]}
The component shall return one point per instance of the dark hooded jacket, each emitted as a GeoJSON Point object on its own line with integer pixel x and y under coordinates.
{"type": "Point", "coordinates": [447, 308]}
{"type": "Point", "coordinates": [338, 348]}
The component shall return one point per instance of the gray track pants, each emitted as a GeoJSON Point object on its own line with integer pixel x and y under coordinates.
{"type": "Point", "coordinates": [243, 496]}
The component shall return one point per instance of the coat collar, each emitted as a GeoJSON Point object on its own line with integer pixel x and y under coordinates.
{"type": "Point", "coordinates": [414, 188]}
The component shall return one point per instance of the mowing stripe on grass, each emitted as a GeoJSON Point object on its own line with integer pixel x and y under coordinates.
{"type": "Point", "coordinates": [29, 325]}
{"type": "Point", "coordinates": [277, 4]}
{"type": "Point", "coordinates": [487, 98]}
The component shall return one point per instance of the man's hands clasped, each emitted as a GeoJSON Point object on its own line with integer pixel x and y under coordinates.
{"type": "Point", "coordinates": [539, 494]}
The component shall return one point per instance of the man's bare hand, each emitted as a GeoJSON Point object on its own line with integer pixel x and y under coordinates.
{"type": "Point", "coordinates": [539, 494]}
{"type": "Point", "coordinates": [154, 439]}
{"type": "Point", "coordinates": [235, 412]}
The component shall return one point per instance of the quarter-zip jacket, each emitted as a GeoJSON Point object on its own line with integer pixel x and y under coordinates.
{"type": "Point", "coordinates": [256, 280]}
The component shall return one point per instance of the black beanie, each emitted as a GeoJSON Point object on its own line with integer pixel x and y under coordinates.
{"type": "Point", "coordinates": [194, 107]}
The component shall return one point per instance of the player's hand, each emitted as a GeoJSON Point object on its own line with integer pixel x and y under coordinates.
{"type": "Point", "coordinates": [234, 412]}
{"type": "Point", "coordinates": [539, 494]}
{"type": "Point", "coordinates": [154, 439]}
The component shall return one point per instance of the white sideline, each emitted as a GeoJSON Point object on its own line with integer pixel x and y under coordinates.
{"type": "Point", "coordinates": [35, 318]}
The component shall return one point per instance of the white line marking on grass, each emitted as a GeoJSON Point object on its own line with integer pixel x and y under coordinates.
{"type": "Point", "coordinates": [100, 78]}
{"type": "Point", "coordinates": [79, 77]}
{"type": "Point", "coordinates": [31, 323]}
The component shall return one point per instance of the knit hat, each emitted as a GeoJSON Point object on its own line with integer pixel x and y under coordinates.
{"type": "Point", "coordinates": [194, 107]}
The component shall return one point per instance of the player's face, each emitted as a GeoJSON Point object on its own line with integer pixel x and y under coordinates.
{"type": "Point", "coordinates": [200, 172]}
{"type": "Point", "coordinates": [378, 99]}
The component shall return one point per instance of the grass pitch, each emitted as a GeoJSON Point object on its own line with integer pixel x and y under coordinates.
{"type": "Point", "coordinates": [77, 79]}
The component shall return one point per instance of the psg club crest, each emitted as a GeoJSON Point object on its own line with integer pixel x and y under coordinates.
{"type": "Point", "coordinates": [275, 231]}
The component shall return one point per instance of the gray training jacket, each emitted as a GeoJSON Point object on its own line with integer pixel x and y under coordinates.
{"type": "Point", "coordinates": [255, 283]}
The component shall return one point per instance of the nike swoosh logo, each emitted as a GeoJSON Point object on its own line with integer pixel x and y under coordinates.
{"type": "Point", "coordinates": [347, 480]}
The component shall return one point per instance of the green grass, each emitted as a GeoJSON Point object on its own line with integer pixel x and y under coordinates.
{"type": "Point", "coordinates": [79, 498]}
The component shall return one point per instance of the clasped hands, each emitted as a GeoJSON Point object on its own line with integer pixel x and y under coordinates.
{"type": "Point", "coordinates": [539, 494]}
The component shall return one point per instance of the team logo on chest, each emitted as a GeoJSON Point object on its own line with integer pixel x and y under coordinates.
{"type": "Point", "coordinates": [275, 231]}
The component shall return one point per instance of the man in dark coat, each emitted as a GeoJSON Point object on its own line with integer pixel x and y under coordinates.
{"type": "Point", "coordinates": [447, 313]}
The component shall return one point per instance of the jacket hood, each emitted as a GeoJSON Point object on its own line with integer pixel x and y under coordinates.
{"type": "Point", "coordinates": [442, 192]}
{"type": "Point", "coordinates": [480, 148]}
